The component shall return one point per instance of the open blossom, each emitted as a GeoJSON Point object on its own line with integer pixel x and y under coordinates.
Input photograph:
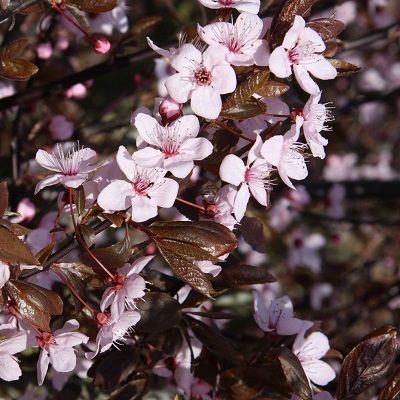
{"type": "Point", "coordinates": [126, 286]}
{"type": "Point", "coordinates": [250, 6]}
{"type": "Point", "coordinates": [220, 206]}
{"type": "Point", "coordinates": [11, 342]}
{"type": "Point", "coordinates": [172, 147]}
{"type": "Point", "coordinates": [58, 348]}
{"type": "Point", "coordinates": [301, 50]}
{"type": "Point", "coordinates": [202, 78]}
{"type": "Point", "coordinates": [283, 152]}
{"type": "Point", "coordinates": [242, 42]}
{"type": "Point", "coordinates": [71, 169]}
{"type": "Point", "coordinates": [276, 315]}
{"type": "Point", "coordinates": [253, 177]}
{"type": "Point", "coordinates": [313, 119]}
{"type": "Point", "coordinates": [112, 330]}
{"type": "Point", "coordinates": [309, 350]}
{"type": "Point", "coordinates": [147, 188]}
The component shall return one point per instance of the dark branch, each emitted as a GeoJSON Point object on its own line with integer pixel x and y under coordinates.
{"type": "Point", "coordinates": [14, 7]}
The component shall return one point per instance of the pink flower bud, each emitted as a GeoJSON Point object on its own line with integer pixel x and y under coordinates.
{"type": "Point", "coordinates": [170, 110]}
{"type": "Point", "coordinates": [27, 209]}
{"type": "Point", "coordinates": [44, 51]}
{"type": "Point", "coordinates": [78, 91]}
{"type": "Point", "coordinates": [100, 44]}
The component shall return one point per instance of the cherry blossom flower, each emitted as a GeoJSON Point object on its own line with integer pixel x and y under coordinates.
{"type": "Point", "coordinates": [126, 286]}
{"type": "Point", "coordinates": [284, 153]}
{"type": "Point", "coordinates": [146, 190]}
{"type": "Point", "coordinates": [304, 251]}
{"type": "Point", "coordinates": [301, 50]}
{"type": "Point", "coordinates": [313, 120]}
{"type": "Point", "coordinates": [250, 6]}
{"type": "Point", "coordinates": [58, 348]}
{"type": "Point", "coordinates": [71, 169]}
{"type": "Point", "coordinates": [173, 147]}
{"type": "Point", "coordinates": [220, 206]}
{"type": "Point", "coordinates": [112, 330]}
{"type": "Point", "coordinates": [309, 350]}
{"type": "Point", "coordinates": [241, 41]}
{"type": "Point", "coordinates": [202, 78]}
{"type": "Point", "coordinates": [11, 342]}
{"type": "Point", "coordinates": [4, 273]}
{"type": "Point", "coordinates": [276, 315]}
{"type": "Point", "coordinates": [252, 177]}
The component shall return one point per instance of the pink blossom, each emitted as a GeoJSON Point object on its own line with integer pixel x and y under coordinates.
{"type": "Point", "coordinates": [78, 91]}
{"type": "Point", "coordinates": [301, 49]}
{"type": "Point", "coordinates": [112, 330]}
{"type": "Point", "coordinates": [26, 210]}
{"type": "Point", "coordinates": [173, 147]}
{"type": "Point", "coordinates": [202, 78]}
{"type": "Point", "coordinates": [44, 50]}
{"type": "Point", "coordinates": [253, 177]}
{"type": "Point", "coordinates": [60, 128]}
{"type": "Point", "coordinates": [11, 342]}
{"type": "Point", "coordinates": [220, 206]}
{"type": "Point", "coordinates": [71, 169]}
{"type": "Point", "coordinates": [4, 273]}
{"type": "Point", "coordinates": [309, 351]}
{"type": "Point", "coordinates": [58, 348]}
{"type": "Point", "coordinates": [304, 251]}
{"type": "Point", "coordinates": [241, 41]}
{"type": "Point", "coordinates": [250, 6]}
{"type": "Point", "coordinates": [169, 110]}
{"type": "Point", "coordinates": [147, 188]}
{"type": "Point", "coordinates": [283, 152]}
{"type": "Point", "coordinates": [126, 286]}
{"type": "Point", "coordinates": [313, 119]}
{"type": "Point", "coordinates": [276, 315]}
{"type": "Point", "coordinates": [101, 45]}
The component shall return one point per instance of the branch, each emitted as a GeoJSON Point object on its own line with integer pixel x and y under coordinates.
{"type": "Point", "coordinates": [51, 88]}
{"type": "Point", "coordinates": [15, 7]}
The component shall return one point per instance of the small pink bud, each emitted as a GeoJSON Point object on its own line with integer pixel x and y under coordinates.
{"type": "Point", "coordinates": [78, 91]}
{"type": "Point", "coordinates": [100, 44]}
{"type": "Point", "coordinates": [44, 51]}
{"type": "Point", "coordinates": [170, 110]}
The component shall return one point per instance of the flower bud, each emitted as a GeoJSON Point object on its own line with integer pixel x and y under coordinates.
{"type": "Point", "coordinates": [170, 110]}
{"type": "Point", "coordinates": [101, 45]}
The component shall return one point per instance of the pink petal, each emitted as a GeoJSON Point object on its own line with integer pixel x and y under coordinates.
{"type": "Point", "coordinates": [224, 79]}
{"type": "Point", "coordinates": [272, 149]}
{"type": "Point", "coordinates": [304, 79]}
{"type": "Point", "coordinates": [164, 193]}
{"type": "Point", "coordinates": [309, 36]}
{"type": "Point", "coordinates": [143, 208]}
{"type": "Point", "coordinates": [322, 69]}
{"type": "Point", "coordinates": [294, 32]}
{"type": "Point", "coordinates": [178, 167]}
{"type": "Point", "coordinates": [46, 160]}
{"type": "Point", "coordinates": [241, 200]}
{"type": "Point", "coordinates": [206, 102]}
{"type": "Point", "coordinates": [135, 288]}
{"type": "Point", "coordinates": [49, 181]}
{"type": "Point", "coordinates": [187, 126]}
{"type": "Point", "coordinates": [148, 157]}
{"type": "Point", "coordinates": [196, 149]}
{"type": "Point", "coordinates": [210, 33]}
{"type": "Point", "coordinates": [4, 275]}
{"type": "Point", "coordinates": [73, 181]}
{"type": "Point", "coordinates": [187, 57]}
{"type": "Point", "coordinates": [279, 63]}
{"type": "Point", "coordinates": [42, 366]}
{"type": "Point", "coordinates": [147, 128]}
{"type": "Point", "coordinates": [126, 163]}
{"type": "Point", "coordinates": [261, 53]}
{"type": "Point", "coordinates": [289, 326]}
{"type": "Point", "coordinates": [116, 196]}
{"type": "Point", "coordinates": [179, 87]}
{"type": "Point", "coordinates": [232, 170]}
{"type": "Point", "coordinates": [319, 372]}
{"type": "Point", "coordinates": [63, 359]}
{"type": "Point", "coordinates": [9, 368]}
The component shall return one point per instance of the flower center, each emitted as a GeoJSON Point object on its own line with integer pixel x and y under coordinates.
{"type": "Point", "coordinates": [203, 76]}
{"type": "Point", "coordinates": [101, 319]}
{"type": "Point", "coordinates": [225, 3]}
{"type": "Point", "coordinates": [118, 282]}
{"type": "Point", "coordinates": [45, 339]}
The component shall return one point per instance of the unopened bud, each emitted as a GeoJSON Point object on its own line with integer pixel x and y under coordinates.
{"type": "Point", "coordinates": [170, 110]}
{"type": "Point", "coordinates": [100, 44]}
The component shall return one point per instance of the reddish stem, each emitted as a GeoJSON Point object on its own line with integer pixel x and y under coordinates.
{"type": "Point", "coordinates": [190, 204]}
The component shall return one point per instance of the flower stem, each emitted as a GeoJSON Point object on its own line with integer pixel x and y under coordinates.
{"type": "Point", "coordinates": [201, 208]}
